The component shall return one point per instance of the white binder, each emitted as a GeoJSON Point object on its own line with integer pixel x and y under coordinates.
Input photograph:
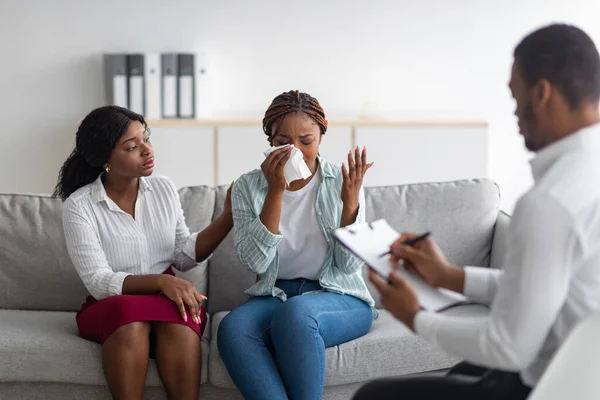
{"type": "Point", "coordinates": [169, 72]}
{"type": "Point", "coordinates": [202, 96]}
{"type": "Point", "coordinates": [135, 64]}
{"type": "Point", "coordinates": [152, 92]}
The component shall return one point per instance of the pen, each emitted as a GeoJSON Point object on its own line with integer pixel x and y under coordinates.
{"type": "Point", "coordinates": [409, 242]}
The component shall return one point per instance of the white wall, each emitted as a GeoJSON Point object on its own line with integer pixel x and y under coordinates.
{"type": "Point", "coordinates": [433, 59]}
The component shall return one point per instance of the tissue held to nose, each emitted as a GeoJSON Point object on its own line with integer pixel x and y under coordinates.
{"type": "Point", "coordinates": [295, 168]}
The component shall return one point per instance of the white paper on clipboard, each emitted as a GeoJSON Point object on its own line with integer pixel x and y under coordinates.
{"type": "Point", "coordinates": [369, 241]}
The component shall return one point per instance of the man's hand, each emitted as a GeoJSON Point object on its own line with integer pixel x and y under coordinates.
{"type": "Point", "coordinates": [425, 259]}
{"type": "Point", "coordinates": [398, 297]}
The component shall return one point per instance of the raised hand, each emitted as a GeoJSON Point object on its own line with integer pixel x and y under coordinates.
{"type": "Point", "coordinates": [353, 176]}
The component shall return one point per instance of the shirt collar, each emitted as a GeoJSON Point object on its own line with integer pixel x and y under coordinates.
{"type": "Point", "coordinates": [98, 192]}
{"type": "Point", "coordinates": [325, 169]}
{"type": "Point", "coordinates": [546, 157]}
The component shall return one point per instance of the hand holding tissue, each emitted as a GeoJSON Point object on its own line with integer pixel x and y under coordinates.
{"type": "Point", "coordinates": [295, 168]}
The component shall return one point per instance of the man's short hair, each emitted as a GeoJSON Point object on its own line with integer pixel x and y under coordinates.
{"type": "Point", "coordinates": [564, 55]}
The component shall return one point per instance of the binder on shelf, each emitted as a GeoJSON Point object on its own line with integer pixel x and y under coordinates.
{"type": "Point", "coordinates": [135, 64]}
{"type": "Point", "coordinates": [115, 78]}
{"type": "Point", "coordinates": [186, 86]}
{"type": "Point", "coordinates": [201, 93]}
{"type": "Point", "coordinates": [152, 91]}
{"type": "Point", "coordinates": [169, 73]}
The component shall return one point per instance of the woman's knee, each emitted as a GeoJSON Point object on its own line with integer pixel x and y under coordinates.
{"type": "Point", "coordinates": [232, 328]}
{"type": "Point", "coordinates": [131, 334]}
{"type": "Point", "coordinates": [176, 333]}
{"type": "Point", "coordinates": [294, 316]}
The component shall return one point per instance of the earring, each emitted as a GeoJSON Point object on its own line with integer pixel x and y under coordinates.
{"type": "Point", "coordinates": [107, 169]}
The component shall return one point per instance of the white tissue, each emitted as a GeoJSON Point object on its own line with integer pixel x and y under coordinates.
{"type": "Point", "coordinates": [295, 168]}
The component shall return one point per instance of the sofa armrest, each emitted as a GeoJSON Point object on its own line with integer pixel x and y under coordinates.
{"type": "Point", "coordinates": [499, 241]}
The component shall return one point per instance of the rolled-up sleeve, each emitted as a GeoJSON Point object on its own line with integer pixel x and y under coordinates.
{"type": "Point", "coordinates": [87, 255]}
{"type": "Point", "coordinates": [255, 245]}
{"type": "Point", "coordinates": [345, 261]}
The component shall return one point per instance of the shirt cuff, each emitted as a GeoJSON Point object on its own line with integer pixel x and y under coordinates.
{"type": "Point", "coordinates": [425, 324]}
{"type": "Point", "coordinates": [264, 236]}
{"type": "Point", "coordinates": [189, 248]}
{"type": "Point", "coordinates": [115, 285]}
{"type": "Point", "coordinates": [477, 283]}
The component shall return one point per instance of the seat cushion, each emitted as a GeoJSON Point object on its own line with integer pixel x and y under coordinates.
{"type": "Point", "coordinates": [389, 349]}
{"type": "Point", "coordinates": [43, 346]}
{"type": "Point", "coordinates": [228, 279]}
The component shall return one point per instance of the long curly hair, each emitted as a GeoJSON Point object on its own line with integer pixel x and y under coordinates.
{"type": "Point", "coordinates": [97, 135]}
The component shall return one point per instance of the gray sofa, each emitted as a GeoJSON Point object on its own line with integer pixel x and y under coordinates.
{"type": "Point", "coordinates": [41, 356]}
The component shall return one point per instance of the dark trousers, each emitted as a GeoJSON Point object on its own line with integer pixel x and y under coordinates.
{"type": "Point", "coordinates": [465, 381]}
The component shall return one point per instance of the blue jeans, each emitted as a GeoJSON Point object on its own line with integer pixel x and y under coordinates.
{"type": "Point", "coordinates": [276, 350]}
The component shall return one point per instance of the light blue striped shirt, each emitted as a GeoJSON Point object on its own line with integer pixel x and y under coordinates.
{"type": "Point", "coordinates": [256, 246]}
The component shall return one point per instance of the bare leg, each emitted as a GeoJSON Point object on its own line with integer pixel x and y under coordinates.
{"type": "Point", "coordinates": [179, 360]}
{"type": "Point", "coordinates": [125, 360]}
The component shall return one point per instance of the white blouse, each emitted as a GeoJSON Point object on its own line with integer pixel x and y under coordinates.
{"type": "Point", "coordinates": [106, 244]}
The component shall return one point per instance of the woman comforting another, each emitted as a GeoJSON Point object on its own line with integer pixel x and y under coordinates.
{"type": "Point", "coordinates": [125, 231]}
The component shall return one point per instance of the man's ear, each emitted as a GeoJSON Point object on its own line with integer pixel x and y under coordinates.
{"type": "Point", "coordinates": [543, 92]}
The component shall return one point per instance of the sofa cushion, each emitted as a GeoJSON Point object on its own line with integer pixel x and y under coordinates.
{"type": "Point", "coordinates": [35, 269]}
{"type": "Point", "coordinates": [36, 272]}
{"type": "Point", "coordinates": [460, 215]}
{"type": "Point", "coordinates": [389, 349]}
{"type": "Point", "coordinates": [43, 346]}
{"type": "Point", "coordinates": [227, 277]}
{"type": "Point", "coordinates": [198, 205]}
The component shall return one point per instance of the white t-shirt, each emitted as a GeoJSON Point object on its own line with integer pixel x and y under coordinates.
{"type": "Point", "coordinates": [303, 248]}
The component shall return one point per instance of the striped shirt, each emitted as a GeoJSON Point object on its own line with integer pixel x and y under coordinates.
{"type": "Point", "coordinates": [256, 246]}
{"type": "Point", "coordinates": [106, 244]}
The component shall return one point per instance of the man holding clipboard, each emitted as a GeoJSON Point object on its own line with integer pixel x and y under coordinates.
{"type": "Point", "coordinates": [551, 277]}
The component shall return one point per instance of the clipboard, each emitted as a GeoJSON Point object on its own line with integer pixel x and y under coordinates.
{"type": "Point", "coordinates": [371, 241]}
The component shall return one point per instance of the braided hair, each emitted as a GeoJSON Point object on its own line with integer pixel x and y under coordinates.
{"type": "Point", "coordinates": [290, 102]}
{"type": "Point", "coordinates": [97, 135]}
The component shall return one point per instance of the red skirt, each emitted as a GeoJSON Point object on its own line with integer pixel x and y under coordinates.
{"type": "Point", "coordinates": [97, 320]}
